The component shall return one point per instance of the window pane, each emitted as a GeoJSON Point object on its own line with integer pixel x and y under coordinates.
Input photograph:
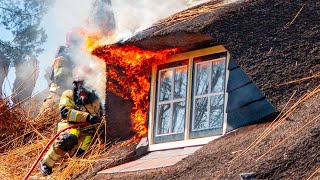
{"type": "Point", "coordinates": [180, 83]}
{"type": "Point", "coordinates": [218, 76]}
{"type": "Point", "coordinates": [165, 85]}
{"type": "Point", "coordinates": [164, 119]}
{"type": "Point", "coordinates": [179, 116]}
{"type": "Point", "coordinates": [216, 111]}
{"type": "Point", "coordinates": [202, 78]}
{"type": "Point", "coordinates": [201, 114]}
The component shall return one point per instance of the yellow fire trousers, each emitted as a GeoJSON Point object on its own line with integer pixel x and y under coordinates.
{"type": "Point", "coordinates": [71, 141]}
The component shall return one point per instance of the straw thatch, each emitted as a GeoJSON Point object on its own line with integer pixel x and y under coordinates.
{"type": "Point", "coordinates": [275, 42]}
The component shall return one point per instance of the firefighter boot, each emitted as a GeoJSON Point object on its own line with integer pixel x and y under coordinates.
{"type": "Point", "coordinates": [45, 169]}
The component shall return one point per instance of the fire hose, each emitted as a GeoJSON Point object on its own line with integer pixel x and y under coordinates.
{"type": "Point", "coordinates": [48, 145]}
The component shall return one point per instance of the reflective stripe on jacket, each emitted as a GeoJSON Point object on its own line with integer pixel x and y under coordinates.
{"type": "Point", "coordinates": [78, 113]}
{"type": "Point", "coordinates": [61, 72]}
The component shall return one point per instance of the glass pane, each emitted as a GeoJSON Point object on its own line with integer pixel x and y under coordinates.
{"type": "Point", "coordinates": [180, 83]}
{"type": "Point", "coordinates": [165, 85]}
{"type": "Point", "coordinates": [218, 76]}
{"type": "Point", "coordinates": [202, 78]}
{"type": "Point", "coordinates": [216, 111]}
{"type": "Point", "coordinates": [201, 114]}
{"type": "Point", "coordinates": [164, 119]}
{"type": "Point", "coordinates": [179, 116]}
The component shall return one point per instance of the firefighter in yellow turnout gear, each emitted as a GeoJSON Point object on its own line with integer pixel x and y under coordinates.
{"type": "Point", "coordinates": [61, 76]}
{"type": "Point", "coordinates": [78, 105]}
{"type": "Point", "coordinates": [61, 79]}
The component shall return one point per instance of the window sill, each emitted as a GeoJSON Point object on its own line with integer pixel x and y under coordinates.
{"type": "Point", "coordinates": [184, 143]}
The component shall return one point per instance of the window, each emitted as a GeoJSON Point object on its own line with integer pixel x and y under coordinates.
{"type": "Point", "coordinates": [171, 103]}
{"type": "Point", "coordinates": [208, 98]}
{"type": "Point", "coordinates": [188, 96]}
{"type": "Point", "coordinates": [172, 100]}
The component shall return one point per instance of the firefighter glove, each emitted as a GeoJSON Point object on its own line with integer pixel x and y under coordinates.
{"type": "Point", "coordinates": [93, 119]}
{"type": "Point", "coordinates": [64, 112]}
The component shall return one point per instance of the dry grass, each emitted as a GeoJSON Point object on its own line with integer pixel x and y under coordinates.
{"type": "Point", "coordinates": [315, 75]}
{"type": "Point", "coordinates": [278, 121]}
{"type": "Point", "coordinates": [23, 137]}
{"type": "Point", "coordinates": [72, 167]}
{"type": "Point", "coordinates": [190, 14]}
{"type": "Point", "coordinates": [17, 127]}
{"type": "Point", "coordinates": [275, 124]}
{"type": "Point", "coordinates": [15, 163]}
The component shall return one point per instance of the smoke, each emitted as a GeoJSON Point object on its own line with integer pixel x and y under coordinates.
{"type": "Point", "coordinates": [134, 16]}
{"type": "Point", "coordinates": [230, 1]}
{"type": "Point", "coordinates": [70, 13]}
{"type": "Point", "coordinates": [25, 80]}
{"type": "Point", "coordinates": [91, 70]}
{"type": "Point", "coordinates": [129, 17]}
{"type": "Point", "coordinates": [61, 19]}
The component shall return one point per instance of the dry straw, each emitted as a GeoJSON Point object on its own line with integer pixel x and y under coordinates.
{"type": "Point", "coordinates": [275, 124]}
{"type": "Point", "coordinates": [23, 137]}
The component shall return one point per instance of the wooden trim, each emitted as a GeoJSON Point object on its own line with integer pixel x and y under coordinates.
{"type": "Point", "coordinates": [196, 53]}
{"type": "Point", "coordinates": [188, 100]}
{"type": "Point", "coordinates": [184, 143]}
{"type": "Point", "coordinates": [152, 103]}
{"type": "Point", "coordinates": [225, 122]}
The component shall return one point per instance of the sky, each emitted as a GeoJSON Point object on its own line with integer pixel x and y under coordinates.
{"type": "Point", "coordinates": [131, 17]}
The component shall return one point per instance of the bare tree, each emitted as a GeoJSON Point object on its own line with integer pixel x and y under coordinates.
{"type": "Point", "coordinates": [21, 19]}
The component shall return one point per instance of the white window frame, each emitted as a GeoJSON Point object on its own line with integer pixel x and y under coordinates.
{"type": "Point", "coordinates": [208, 95]}
{"type": "Point", "coordinates": [187, 141]}
{"type": "Point", "coordinates": [171, 102]}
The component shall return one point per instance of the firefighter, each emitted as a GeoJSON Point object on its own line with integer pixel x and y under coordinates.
{"type": "Point", "coordinates": [61, 75]}
{"type": "Point", "coordinates": [77, 105]}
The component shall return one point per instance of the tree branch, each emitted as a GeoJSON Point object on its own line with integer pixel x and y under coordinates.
{"type": "Point", "coordinates": [7, 9]}
{"type": "Point", "coordinates": [15, 12]}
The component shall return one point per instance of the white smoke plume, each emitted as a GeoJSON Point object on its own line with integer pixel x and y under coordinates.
{"type": "Point", "coordinates": [70, 13]}
{"type": "Point", "coordinates": [134, 16]}
{"type": "Point", "coordinates": [130, 17]}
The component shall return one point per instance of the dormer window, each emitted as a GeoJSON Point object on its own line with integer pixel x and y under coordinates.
{"type": "Point", "coordinates": [188, 97]}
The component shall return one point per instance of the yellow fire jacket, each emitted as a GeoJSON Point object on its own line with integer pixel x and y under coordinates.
{"type": "Point", "coordinates": [61, 74]}
{"type": "Point", "coordinates": [79, 113]}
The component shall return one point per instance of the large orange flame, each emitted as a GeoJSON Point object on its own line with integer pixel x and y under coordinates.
{"type": "Point", "coordinates": [129, 77]}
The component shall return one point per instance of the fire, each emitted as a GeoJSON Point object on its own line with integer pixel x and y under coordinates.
{"type": "Point", "coordinates": [95, 39]}
{"type": "Point", "coordinates": [129, 70]}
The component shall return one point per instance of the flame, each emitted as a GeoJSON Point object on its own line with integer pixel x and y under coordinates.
{"type": "Point", "coordinates": [129, 70]}
{"type": "Point", "coordinates": [96, 39]}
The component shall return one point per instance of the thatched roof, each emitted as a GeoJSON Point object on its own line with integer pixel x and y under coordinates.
{"type": "Point", "coordinates": [292, 152]}
{"type": "Point", "coordinates": [273, 41]}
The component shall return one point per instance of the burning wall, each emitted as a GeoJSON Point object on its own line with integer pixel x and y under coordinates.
{"type": "Point", "coordinates": [128, 72]}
